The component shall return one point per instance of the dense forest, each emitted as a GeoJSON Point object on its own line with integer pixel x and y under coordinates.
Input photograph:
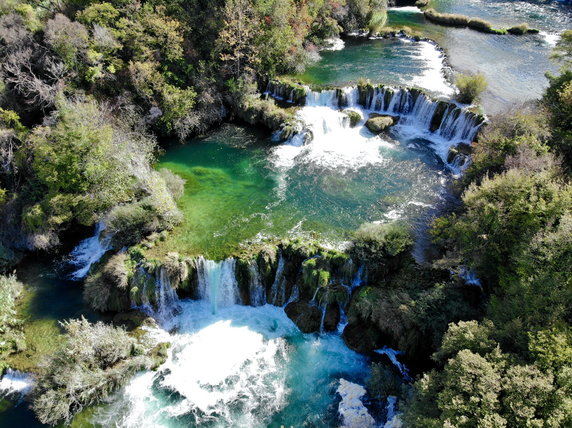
{"type": "Point", "coordinates": [90, 94]}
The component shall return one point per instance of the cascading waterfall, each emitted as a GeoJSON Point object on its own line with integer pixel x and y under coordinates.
{"type": "Point", "coordinates": [257, 291]}
{"type": "Point", "coordinates": [165, 296]}
{"type": "Point", "coordinates": [89, 251]}
{"type": "Point", "coordinates": [392, 355]}
{"type": "Point", "coordinates": [278, 291]}
{"type": "Point", "coordinates": [217, 283]}
{"type": "Point", "coordinates": [392, 418]}
{"type": "Point", "coordinates": [443, 125]}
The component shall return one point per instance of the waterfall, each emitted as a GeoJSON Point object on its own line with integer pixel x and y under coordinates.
{"type": "Point", "coordinates": [278, 289]}
{"type": "Point", "coordinates": [89, 251]}
{"type": "Point", "coordinates": [392, 355]}
{"type": "Point", "coordinates": [442, 124]}
{"type": "Point", "coordinates": [257, 291]}
{"type": "Point", "coordinates": [217, 282]}
{"type": "Point", "coordinates": [16, 384]}
{"type": "Point", "coordinates": [470, 277]}
{"type": "Point", "coordinates": [323, 308]}
{"type": "Point", "coordinates": [359, 278]}
{"type": "Point", "coordinates": [351, 409]}
{"type": "Point", "coordinates": [392, 418]}
{"type": "Point", "coordinates": [165, 296]}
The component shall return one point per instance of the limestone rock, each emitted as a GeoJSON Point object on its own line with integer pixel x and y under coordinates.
{"type": "Point", "coordinates": [378, 124]}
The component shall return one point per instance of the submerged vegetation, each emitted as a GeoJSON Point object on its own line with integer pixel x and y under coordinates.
{"type": "Point", "coordinates": [478, 24]}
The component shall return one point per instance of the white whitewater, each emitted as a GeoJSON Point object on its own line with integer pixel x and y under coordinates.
{"type": "Point", "coordinates": [393, 419]}
{"type": "Point", "coordinates": [333, 143]}
{"type": "Point", "coordinates": [242, 367]}
{"type": "Point", "coordinates": [278, 290]}
{"type": "Point", "coordinates": [89, 251]}
{"type": "Point", "coordinates": [333, 44]}
{"type": "Point", "coordinates": [431, 77]}
{"type": "Point", "coordinates": [328, 141]}
{"type": "Point", "coordinates": [256, 288]}
{"type": "Point", "coordinates": [217, 282]}
{"type": "Point", "coordinates": [15, 384]}
{"type": "Point", "coordinates": [392, 355]}
{"type": "Point", "coordinates": [165, 296]}
{"type": "Point", "coordinates": [351, 409]}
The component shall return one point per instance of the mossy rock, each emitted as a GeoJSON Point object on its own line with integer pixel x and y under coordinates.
{"type": "Point", "coordinates": [307, 317]}
{"type": "Point", "coordinates": [379, 124]}
{"type": "Point", "coordinates": [362, 337]}
{"type": "Point", "coordinates": [354, 117]}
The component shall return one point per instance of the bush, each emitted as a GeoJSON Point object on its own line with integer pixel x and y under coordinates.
{"type": "Point", "coordinates": [470, 86]}
{"type": "Point", "coordinates": [501, 216]}
{"type": "Point", "coordinates": [106, 288]}
{"type": "Point", "coordinates": [383, 247]}
{"type": "Point", "coordinates": [10, 335]}
{"type": "Point", "coordinates": [95, 361]}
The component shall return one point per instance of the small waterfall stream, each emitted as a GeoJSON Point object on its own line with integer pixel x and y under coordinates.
{"type": "Point", "coordinates": [89, 251]}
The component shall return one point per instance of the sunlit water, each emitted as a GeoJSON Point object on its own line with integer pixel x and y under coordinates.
{"type": "Point", "coordinates": [515, 66]}
{"type": "Point", "coordinates": [240, 187]}
{"type": "Point", "coordinates": [241, 367]}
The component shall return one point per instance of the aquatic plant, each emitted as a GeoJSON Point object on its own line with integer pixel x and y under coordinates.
{"type": "Point", "coordinates": [470, 86]}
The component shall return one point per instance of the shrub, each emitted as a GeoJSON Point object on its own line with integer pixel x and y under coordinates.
{"type": "Point", "coordinates": [519, 29]}
{"type": "Point", "coordinates": [383, 247]}
{"type": "Point", "coordinates": [95, 361]}
{"type": "Point", "coordinates": [174, 183]}
{"type": "Point", "coordinates": [470, 86]}
{"type": "Point", "coordinates": [11, 337]}
{"type": "Point", "coordinates": [106, 288]}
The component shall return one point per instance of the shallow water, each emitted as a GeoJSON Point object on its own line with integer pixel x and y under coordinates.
{"type": "Point", "coordinates": [515, 66]}
{"type": "Point", "coordinates": [242, 187]}
{"type": "Point", "coordinates": [394, 61]}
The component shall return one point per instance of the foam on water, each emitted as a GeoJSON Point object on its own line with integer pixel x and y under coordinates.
{"type": "Point", "coordinates": [89, 251]}
{"type": "Point", "coordinates": [333, 44]}
{"type": "Point", "coordinates": [335, 145]}
{"type": "Point", "coordinates": [432, 77]}
{"type": "Point", "coordinates": [407, 9]}
{"type": "Point", "coordinates": [352, 411]}
{"type": "Point", "coordinates": [550, 38]}
{"type": "Point", "coordinates": [241, 367]}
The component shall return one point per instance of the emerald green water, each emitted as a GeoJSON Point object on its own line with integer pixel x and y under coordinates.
{"type": "Point", "coordinates": [236, 190]}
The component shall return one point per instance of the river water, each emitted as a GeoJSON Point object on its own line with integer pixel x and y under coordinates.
{"type": "Point", "coordinates": [233, 365]}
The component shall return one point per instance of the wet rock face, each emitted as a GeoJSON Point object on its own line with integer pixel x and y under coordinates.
{"type": "Point", "coordinates": [332, 318]}
{"type": "Point", "coordinates": [362, 337]}
{"type": "Point", "coordinates": [306, 316]}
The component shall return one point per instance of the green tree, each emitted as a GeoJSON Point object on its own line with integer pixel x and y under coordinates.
{"type": "Point", "coordinates": [236, 42]}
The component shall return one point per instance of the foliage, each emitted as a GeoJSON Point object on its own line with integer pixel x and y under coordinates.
{"type": "Point", "coordinates": [383, 247]}
{"type": "Point", "coordinates": [500, 217]}
{"type": "Point", "coordinates": [519, 133]}
{"type": "Point", "coordinates": [470, 86]}
{"type": "Point", "coordinates": [562, 52]}
{"type": "Point", "coordinates": [558, 99]}
{"type": "Point", "coordinates": [481, 386]}
{"type": "Point", "coordinates": [95, 361]}
{"type": "Point", "coordinates": [11, 338]}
